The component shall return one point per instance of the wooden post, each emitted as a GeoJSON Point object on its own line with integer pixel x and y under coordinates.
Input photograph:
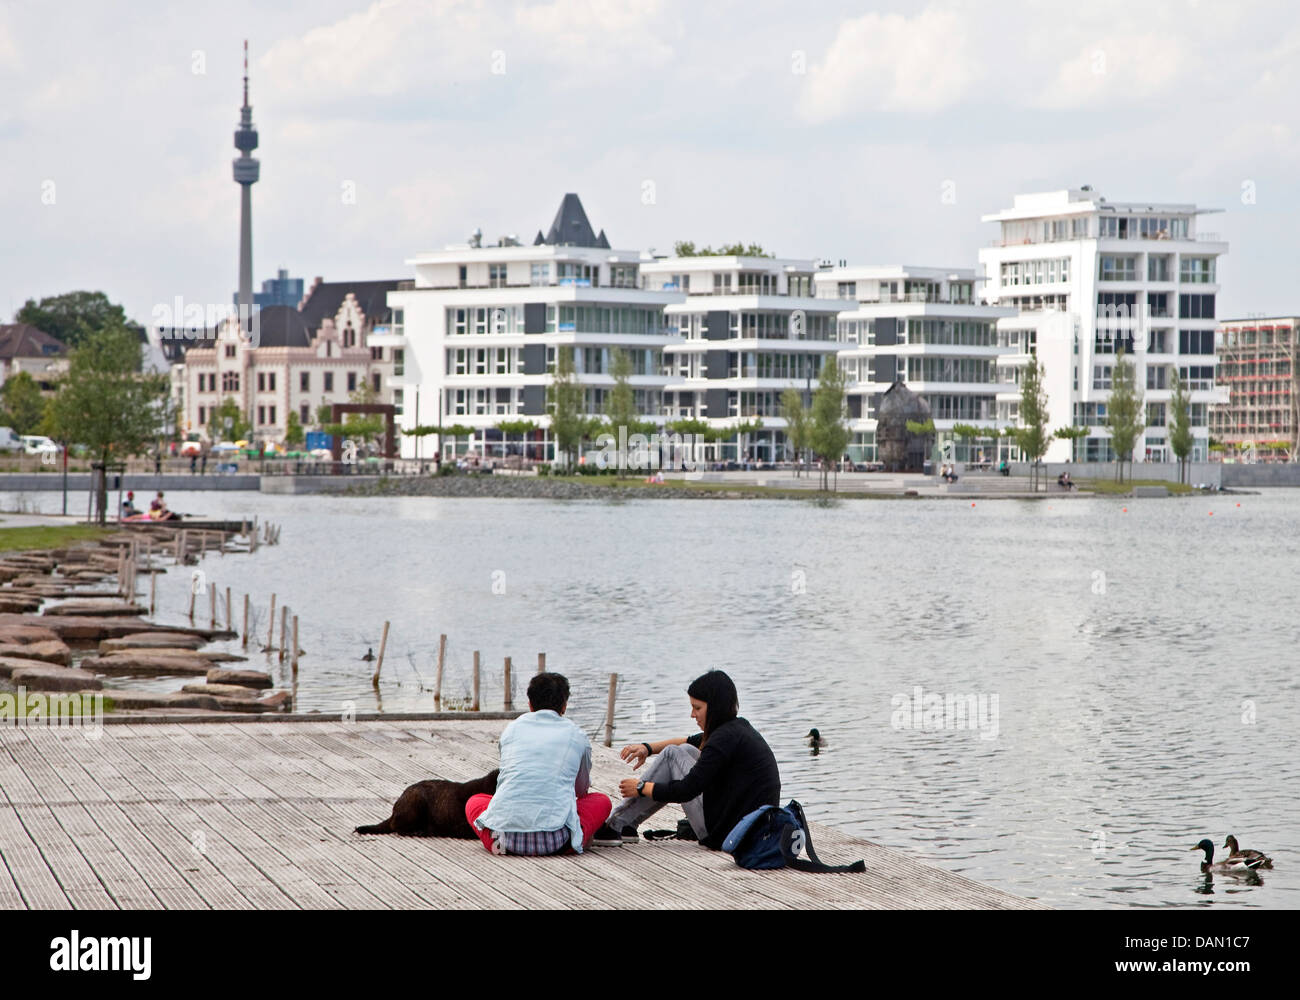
{"type": "Point", "coordinates": [191, 600]}
{"type": "Point", "coordinates": [509, 698]}
{"type": "Point", "coordinates": [230, 613]}
{"type": "Point", "coordinates": [474, 706]}
{"type": "Point", "coordinates": [541, 663]}
{"type": "Point", "coordinates": [293, 656]}
{"type": "Point", "coordinates": [437, 679]}
{"type": "Point", "coordinates": [383, 641]}
{"type": "Point", "coordinates": [284, 628]}
{"type": "Point", "coordinates": [153, 589]}
{"type": "Point", "coordinates": [245, 621]}
{"type": "Point", "coordinates": [609, 710]}
{"type": "Point", "coordinates": [223, 543]}
{"type": "Point", "coordinates": [270, 629]}
{"type": "Point", "coordinates": [212, 601]}
{"type": "Point", "coordinates": [121, 572]}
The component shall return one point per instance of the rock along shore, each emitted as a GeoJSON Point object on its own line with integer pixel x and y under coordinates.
{"type": "Point", "coordinates": [546, 488]}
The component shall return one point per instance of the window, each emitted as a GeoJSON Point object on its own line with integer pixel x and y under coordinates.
{"type": "Point", "coordinates": [1196, 270]}
{"type": "Point", "coordinates": [496, 275]}
{"type": "Point", "coordinates": [1158, 342]}
{"type": "Point", "coordinates": [270, 412]}
{"type": "Point", "coordinates": [304, 414]}
{"type": "Point", "coordinates": [374, 381]}
{"type": "Point", "coordinates": [541, 273]}
{"type": "Point", "coordinates": [1197, 377]}
{"type": "Point", "coordinates": [261, 382]}
{"type": "Point", "coordinates": [622, 275]}
{"type": "Point", "coordinates": [1195, 341]}
{"type": "Point", "coordinates": [1118, 268]}
{"type": "Point", "coordinates": [202, 416]}
{"type": "Point", "coordinates": [376, 354]}
{"type": "Point", "coordinates": [1157, 267]}
{"type": "Point", "coordinates": [722, 285]}
{"type": "Point", "coordinates": [261, 414]}
{"type": "Point", "coordinates": [1158, 305]}
{"type": "Point", "coordinates": [329, 381]}
{"type": "Point", "coordinates": [230, 350]}
{"type": "Point", "coordinates": [230, 381]}
{"type": "Point", "coordinates": [463, 276]}
{"type": "Point", "coordinates": [352, 381]}
{"type": "Point", "coordinates": [1196, 306]}
{"type": "Point", "coordinates": [304, 381]}
{"type": "Point", "coordinates": [270, 381]}
{"type": "Point", "coordinates": [1157, 377]}
{"type": "Point", "coordinates": [1155, 414]}
{"type": "Point", "coordinates": [1101, 375]}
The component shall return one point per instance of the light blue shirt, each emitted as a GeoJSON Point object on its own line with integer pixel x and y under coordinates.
{"type": "Point", "coordinates": [545, 765]}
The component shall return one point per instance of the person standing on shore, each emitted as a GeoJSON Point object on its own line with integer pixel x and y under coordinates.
{"type": "Point", "coordinates": [543, 803]}
{"type": "Point", "coordinates": [719, 775]}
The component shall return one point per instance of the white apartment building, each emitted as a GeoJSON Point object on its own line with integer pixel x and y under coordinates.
{"type": "Point", "coordinates": [478, 330]}
{"type": "Point", "coordinates": [1087, 277]}
{"type": "Point", "coordinates": [746, 329]}
{"type": "Point", "coordinates": [926, 327]}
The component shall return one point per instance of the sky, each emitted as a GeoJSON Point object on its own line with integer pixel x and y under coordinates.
{"type": "Point", "coordinates": [877, 134]}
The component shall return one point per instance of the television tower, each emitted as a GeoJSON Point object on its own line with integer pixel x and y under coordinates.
{"type": "Point", "coordinates": [246, 173]}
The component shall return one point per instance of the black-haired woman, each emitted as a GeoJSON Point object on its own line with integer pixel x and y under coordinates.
{"type": "Point", "coordinates": [719, 775]}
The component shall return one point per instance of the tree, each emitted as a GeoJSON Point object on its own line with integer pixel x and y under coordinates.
{"type": "Point", "coordinates": [105, 403]}
{"type": "Point", "coordinates": [228, 423]}
{"type": "Point", "coordinates": [520, 427]}
{"type": "Point", "coordinates": [23, 404]}
{"type": "Point", "coordinates": [74, 316]}
{"type": "Point", "coordinates": [364, 428]}
{"type": "Point", "coordinates": [1180, 425]}
{"type": "Point", "coordinates": [324, 414]}
{"type": "Point", "coordinates": [564, 403]}
{"type": "Point", "coordinates": [293, 429]}
{"type": "Point", "coordinates": [798, 421]}
{"type": "Point", "coordinates": [1031, 437]}
{"type": "Point", "coordinates": [1071, 434]}
{"type": "Point", "coordinates": [1125, 413]}
{"type": "Point", "coordinates": [620, 403]}
{"type": "Point", "coordinates": [686, 248]}
{"type": "Point", "coordinates": [830, 434]}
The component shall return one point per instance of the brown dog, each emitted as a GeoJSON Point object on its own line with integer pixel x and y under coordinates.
{"type": "Point", "coordinates": [434, 809]}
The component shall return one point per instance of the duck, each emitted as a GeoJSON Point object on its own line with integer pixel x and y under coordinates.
{"type": "Point", "coordinates": [1256, 859]}
{"type": "Point", "coordinates": [1230, 867]}
{"type": "Point", "coordinates": [815, 740]}
{"type": "Point", "coordinates": [370, 654]}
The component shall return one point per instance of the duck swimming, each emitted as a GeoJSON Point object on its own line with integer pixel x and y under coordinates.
{"type": "Point", "coordinates": [370, 655]}
{"type": "Point", "coordinates": [1255, 859]}
{"type": "Point", "coordinates": [815, 740]}
{"type": "Point", "coordinates": [1238, 866]}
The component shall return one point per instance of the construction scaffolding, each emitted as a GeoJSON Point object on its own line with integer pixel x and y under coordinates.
{"type": "Point", "coordinates": [1257, 362]}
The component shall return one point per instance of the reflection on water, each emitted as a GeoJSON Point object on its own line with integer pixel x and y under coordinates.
{"type": "Point", "coordinates": [1144, 662]}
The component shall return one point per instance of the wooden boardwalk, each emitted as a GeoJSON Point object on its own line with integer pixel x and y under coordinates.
{"type": "Point", "coordinates": [251, 814]}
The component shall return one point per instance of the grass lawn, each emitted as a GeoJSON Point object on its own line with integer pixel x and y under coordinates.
{"type": "Point", "coordinates": [1112, 488]}
{"type": "Point", "coordinates": [52, 536]}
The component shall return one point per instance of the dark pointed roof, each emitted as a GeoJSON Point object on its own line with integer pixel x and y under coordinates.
{"type": "Point", "coordinates": [325, 297]}
{"type": "Point", "coordinates": [571, 227]}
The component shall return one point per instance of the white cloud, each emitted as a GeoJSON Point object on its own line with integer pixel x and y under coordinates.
{"type": "Point", "coordinates": [888, 62]}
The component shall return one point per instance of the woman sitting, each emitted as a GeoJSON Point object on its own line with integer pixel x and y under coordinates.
{"type": "Point", "coordinates": [719, 775]}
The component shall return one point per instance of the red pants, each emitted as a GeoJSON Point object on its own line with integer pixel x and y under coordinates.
{"type": "Point", "coordinates": [593, 810]}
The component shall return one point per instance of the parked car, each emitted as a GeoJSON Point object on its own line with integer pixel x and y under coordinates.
{"type": "Point", "coordinates": [9, 441]}
{"type": "Point", "coordinates": [35, 444]}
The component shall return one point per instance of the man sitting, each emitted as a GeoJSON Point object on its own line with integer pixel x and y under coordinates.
{"type": "Point", "coordinates": [542, 803]}
{"type": "Point", "coordinates": [129, 508]}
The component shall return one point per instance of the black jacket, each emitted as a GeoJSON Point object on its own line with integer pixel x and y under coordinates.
{"type": "Point", "coordinates": [736, 774]}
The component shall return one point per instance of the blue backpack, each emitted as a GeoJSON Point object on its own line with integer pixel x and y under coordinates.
{"type": "Point", "coordinates": [771, 837]}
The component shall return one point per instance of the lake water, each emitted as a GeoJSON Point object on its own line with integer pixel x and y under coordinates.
{"type": "Point", "coordinates": [1131, 663]}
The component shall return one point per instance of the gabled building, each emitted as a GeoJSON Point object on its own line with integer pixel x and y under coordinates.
{"type": "Point", "coordinates": [24, 348]}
